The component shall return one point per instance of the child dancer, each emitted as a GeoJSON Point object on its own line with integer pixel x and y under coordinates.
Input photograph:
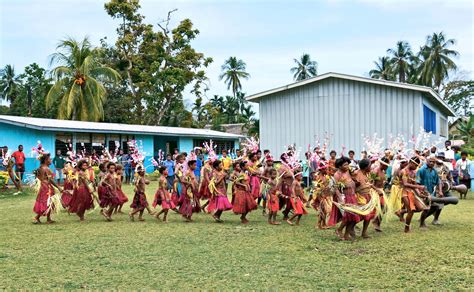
{"type": "Point", "coordinates": [286, 174]}
{"type": "Point", "coordinates": [243, 200]}
{"type": "Point", "coordinates": [68, 173]}
{"type": "Point", "coordinates": [190, 203]}
{"type": "Point", "coordinates": [219, 201]}
{"type": "Point", "coordinates": [82, 195]}
{"type": "Point", "coordinates": [266, 174]}
{"type": "Point", "coordinates": [101, 189]}
{"type": "Point", "coordinates": [110, 198]}
{"type": "Point", "coordinates": [324, 185]}
{"type": "Point", "coordinates": [162, 196]}
{"type": "Point", "coordinates": [44, 175]}
{"type": "Point", "coordinates": [204, 193]}
{"type": "Point", "coordinates": [297, 200]}
{"type": "Point", "coordinates": [232, 178]}
{"type": "Point", "coordinates": [120, 194]}
{"type": "Point", "coordinates": [139, 203]}
{"type": "Point", "coordinates": [273, 197]}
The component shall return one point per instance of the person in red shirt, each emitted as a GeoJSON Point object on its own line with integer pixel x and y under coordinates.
{"type": "Point", "coordinates": [19, 156]}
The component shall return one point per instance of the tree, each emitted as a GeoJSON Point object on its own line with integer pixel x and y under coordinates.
{"type": "Point", "coordinates": [9, 83]}
{"type": "Point", "coordinates": [400, 58]}
{"type": "Point", "coordinates": [160, 64]}
{"type": "Point", "coordinates": [460, 96]}
{"type": "Point", "coordinates": [437, 59]}
{"type": "Point", "coordinates": [233, 71]}
{"type": "Point", "coordinates": [466, 128]}
{"type": "Point", "coordinates": [382, 70]}
{"type": "Point", "coordinates": [305, 68]}
{"type": "Point", "coordinates": [79, 78]}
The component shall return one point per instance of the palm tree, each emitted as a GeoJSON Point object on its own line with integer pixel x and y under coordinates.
{"type": "Point", "coordinates": [466, 128]}
{"type": "Point", "coordinates": [382, 70]}
{"type": "Point", "coordinates": [438, 60]}
{"type": "Point", "coordinates": [218, 103]}
{"type": "Point", "coordinates": [233, 71]}
{"type": "Point", "coordinates": [79, 79]}
{"type": "Point", "coordinates": [400, 59]}
{"type": "Point", "coordinates": [305, 68]}
{"type": "Point", "coordinates": [9, 83]}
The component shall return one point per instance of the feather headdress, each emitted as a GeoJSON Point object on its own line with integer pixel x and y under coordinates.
{"type": "Point", "coordinates": [250, 145]}
{"type": "Point", "coordinates": [209, 147]}
{"type": "Point", "coordinates": [374, 146]}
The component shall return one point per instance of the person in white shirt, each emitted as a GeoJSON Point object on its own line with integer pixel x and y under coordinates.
{"type": "Point", "coordinates": [462, 166]}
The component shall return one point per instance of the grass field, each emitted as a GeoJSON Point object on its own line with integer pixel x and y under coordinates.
{"type": "Point", "coordinates": [205, 255]}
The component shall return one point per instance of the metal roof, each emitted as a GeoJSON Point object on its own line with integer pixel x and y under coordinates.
{"type": "Point", "coordinates": [78, 126]}
{"type": "Point", "coordinates": [428, 90]}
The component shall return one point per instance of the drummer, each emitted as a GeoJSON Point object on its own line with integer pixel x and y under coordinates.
{"type": "Point", "coordinates": [428, 177]}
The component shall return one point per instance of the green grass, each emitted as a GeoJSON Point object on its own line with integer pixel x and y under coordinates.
{"type": "Point", "coordinates": [204, 255]}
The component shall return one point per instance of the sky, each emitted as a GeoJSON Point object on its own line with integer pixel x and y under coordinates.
{"type": "Point", "coordinates": [342, 36]}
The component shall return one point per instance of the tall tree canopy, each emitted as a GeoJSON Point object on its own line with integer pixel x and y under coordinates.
{"type": "Point", "coordinates": [79, 78]}
{"type": "Point", "coordinates": [305, 68]}
{"type": "Point", "coordinates": [158, 63]}
{"type": "Point", "coordinates": [400, 58]}
{"type": "Point", "coordinates": [382, 70]}
{"type": "Point", "coordinates": [233, 70]}
{"type": "Point", "coordinates": [8, 83]}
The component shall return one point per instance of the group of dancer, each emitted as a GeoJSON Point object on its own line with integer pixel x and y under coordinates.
{"type": "Point", "coordinates": [342, 190]}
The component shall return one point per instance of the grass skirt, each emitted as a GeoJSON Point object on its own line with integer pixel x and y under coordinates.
{"type": "Point", "coordinates": [243, 202]}
{"type": "Point", "coordinates": [41, 204]}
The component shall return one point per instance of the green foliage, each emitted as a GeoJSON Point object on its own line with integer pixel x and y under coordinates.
{"type": "Point", "coordinates": [9, 83]}
{"type": "Point", "coordinates": [305, 68]}
{"type": "Point", "coordinates": [124, 255]}
{"type": "Point", "coordinates": [460, 96]}
{"type": "Point", "coordinates": [79, 79]}
{"type": "Point", "coordinates": [429, 67]}
{"type": "Point", "coordinates": [233, 71]}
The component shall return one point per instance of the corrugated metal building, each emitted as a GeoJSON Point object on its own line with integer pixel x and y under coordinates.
{"type": "Point", "coordinates": [346, 107]}
{"type": "Point", "coordinates": [56, 134]}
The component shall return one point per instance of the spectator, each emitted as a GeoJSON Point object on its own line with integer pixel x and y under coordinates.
{"type": "Point", "coordinates": [175, 154]}
{"type": "Point", "coordinates": [59, 162]}
{"type": "Point", "coordinates": [471, 174]}
{"type": "Point", "coordinates": [199, 157]}
{"type": "Point", "coordinates": [169, 164]}
{"type": "Point", "coordinates": [226, 161]}
{"type": "Point", "coordinates": [462, 167]}
{"type": "Point", "coordinates": [19, 162]}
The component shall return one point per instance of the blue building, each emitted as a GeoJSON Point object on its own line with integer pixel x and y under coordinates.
{"type": "Point", "coordinates": [57, 134]}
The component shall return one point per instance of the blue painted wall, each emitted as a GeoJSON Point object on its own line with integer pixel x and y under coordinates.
{"type": "Point", "coordinates": [185, 144]}
{"type": "Point", "coordinates": [12, 136]}
{"type": "Point", "coordinates": [147, 142]}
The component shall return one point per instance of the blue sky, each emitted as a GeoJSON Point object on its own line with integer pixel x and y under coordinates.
{"type": "Point", "coordinates": [342, 36]}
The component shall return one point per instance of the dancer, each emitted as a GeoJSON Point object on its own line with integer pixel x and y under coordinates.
{"type": "Point", "coordinates": [324, 192]}
{"type": "Point", "coordinates": [219, 201]}
{"type": "Point", "coordinates": [162, 196]}
{"type": "Point", "coordinates": [363, 188]}
{"type": "Point", "coordinates": [395, 199]}
{"type": "Point", "coordinates": [82, 195]}
{"type": "Point", "coordinates": [379, 182]}
{"type": "Point", "coordinates": [243, 200]}
{"type": "Point", "coordinates": [110, 199]}
{"type": "Point", "coordinates": [273, 194]}
{"type": "Point", "coordinates": [120, 194]}
{"type": "Point", "coordinates": [204, 193]}
{"type": "Point", "coordinates": [286, 174]}
{"type": "Point", "coordinates": [232, 178]}
{"type": "Point", "coordinates": [43, 204]}
{"type": "Point", "coordinates": [139, 202]}
{"type": "Point", "coordinates": [68, 188]}
{"type": "Point", "coordinates": [297, 200]}
{"type": "Point", "coordinates": [411, 191]}
{"type": "Point", "coordinates": [190, 202]}
{"type": "Point", "coordinates": [346, 195]}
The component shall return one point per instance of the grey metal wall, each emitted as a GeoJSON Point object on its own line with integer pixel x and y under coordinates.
{"type": "Point", "coordinates": [343, 108]}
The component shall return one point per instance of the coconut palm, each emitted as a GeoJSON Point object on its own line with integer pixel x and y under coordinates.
{"type": "Point", "coordinates": [437, 59]}
{"type": "Point", "coordinates": [382, 69]}
{"type": "Point", "coordinates": [400, 59]}
{"type": "Point", "coordinates": [466, 128]}
{"type": "Point", "coordinates": [9, 83]}
{"type": "Point", "coordinates": [305, 68]}
{"type": "Point", "coordinates": [78, 81]}
{"type": "Point", "coordinates": [233, 71]}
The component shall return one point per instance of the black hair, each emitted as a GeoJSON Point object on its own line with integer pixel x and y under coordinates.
{"type": "Point", "coordinates": [351, 152]}
{"type": "Point", "coordinates": [385, 160]}
{"type": "Point", "coordinates": [251, 155]}
{"type": "Point", "coordinates": [102, 166]}
{"type": "Point", "coordinates": [118, 166]}
{"type": "Point", "coordinates": [80, 163]}
{"type": "Point", "coordinates": [364, 163]}
{"type": "Point", "coordinates": [272, 171]}
{"type": "Point", "coordinates": [224, 150]}
{"type": "Point", "coordinates": [416, 160]}
{"type": "Point", "coordinates": [259, 151]}
{"type": "Point", "coordinates": [463, 153]}
{"type": "Point", "coordinates": [333, 151]}
{"type": "Point", "coordinates": [191, 162]}
{"type": "Point", "coordinates": [340, 161]}
{"type": "Point", "coordinates": [235, 163]}
{"type": "Point", "coordinates": [242, 164]}
{"type": "Point", "coordinates": [283, 157]}
{"type": "Point", "coordinates": [161, 169]}
{"type": "Point", "coordinates": [110, 164]}
{"type": "Point", "coordinates": [44, 157]}
{"type": "Point", "coordinates": [266, 151]}
{"type": "Point", "coordinates": [216, 163]}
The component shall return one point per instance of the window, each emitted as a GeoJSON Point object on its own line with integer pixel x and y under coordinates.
{"type": "Point", "coordinates": [83, 143]}
{"type": "Point", "coordinates": [63, 140]}
{"type": "Point", "coordinates": [443, 126]}
{"type": "Point", "coordinates": [429, 119]}
{"type": "Point", "coordinates": [221, 145]}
